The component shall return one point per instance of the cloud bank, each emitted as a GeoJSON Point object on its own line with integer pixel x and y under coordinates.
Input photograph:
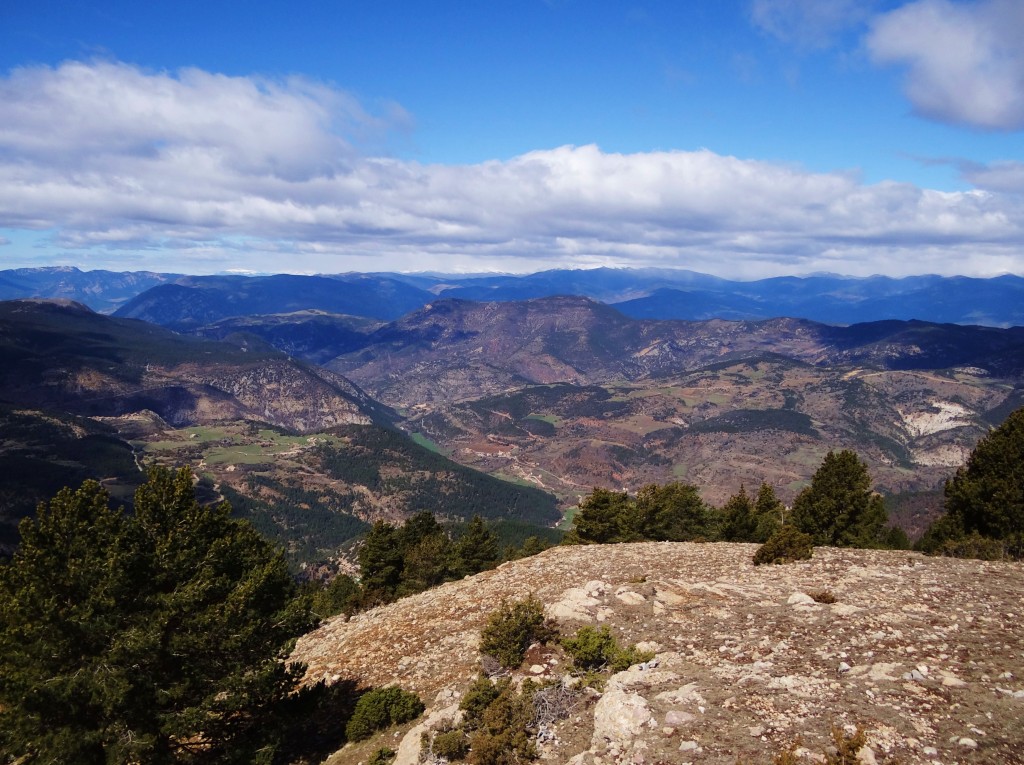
{"type": "Point", "coordinates": [965, 62]}
{"type": "Point", "coordinates": [194, 171]}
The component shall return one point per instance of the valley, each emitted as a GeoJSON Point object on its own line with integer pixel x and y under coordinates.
{"type": "Point", "coordinates": [315, 424]}
{"type": "Point", "coordinates": [300, 451]}
{"type": "Point", "coordinates": [733, 424]}
{"type": "Point", "coordinates": [314, 493]}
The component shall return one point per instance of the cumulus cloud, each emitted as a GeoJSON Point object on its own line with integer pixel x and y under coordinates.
{"type": "Point", "coordinates": [809, 24]}
{"type": "Point", "coordinates": [965, 62]}
{"type": "Point", "coordinates": [1007, 176]}
{"type": "Point", "coordinates": [201, 172]}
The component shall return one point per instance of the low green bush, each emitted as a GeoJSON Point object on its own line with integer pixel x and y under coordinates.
{"type": "Point", "coordinates": [481, 694]}
{"type": "Point", "coordinates": [506, 731]}
{"type": "Point", "coordinates": [380, 708]}
{"type": "Point", "coordinates": [451, 745]}
{"type": "Point", "coordinates": [382, 756]}
{"type": "Point", "coordinates": [512, 628]}
{"type": "Point", "coordinates": [785, 546]}
{"type": "Point", "coordinates": [974, 545]}
{"type": "Point", "coordinates": [593, 649]}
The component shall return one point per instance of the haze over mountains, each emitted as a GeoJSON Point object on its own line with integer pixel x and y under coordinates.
{"type": "Point", "coordinates": [639, 293]}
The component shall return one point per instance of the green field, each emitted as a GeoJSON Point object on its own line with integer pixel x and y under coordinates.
{"type": "Point", "coordinates": [227, 445]}
{"type": "Point", "coordinates": [551, 419]}
{"type": "Point", "coordinates": [566, 523]}
{"type": "Point", "coordinates": [426, 443]}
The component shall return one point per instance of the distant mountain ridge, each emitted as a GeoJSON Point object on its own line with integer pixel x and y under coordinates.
{"type": "Point", "coordinates": [185, 302]}
{"type": "Point", "coordinates": [456, 349]}
{"type": "Point", "coordinates": [103, 291]}
{"type": "Point", "coordinates": [197, 300]}
{"type": "Point", "coordinates": [63, 356]}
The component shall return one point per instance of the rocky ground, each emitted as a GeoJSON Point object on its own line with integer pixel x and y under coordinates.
{"type": "Point", "coordinates": [925, 655]}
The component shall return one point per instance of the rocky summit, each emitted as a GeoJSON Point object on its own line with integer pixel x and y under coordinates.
{"type": "Point", "coordinates": [924, 655]}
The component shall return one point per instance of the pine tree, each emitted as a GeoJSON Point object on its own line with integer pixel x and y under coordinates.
{"type": "Point", "coordinates": [769, 513]}
{"type": "Point", "coordinates": [986, 496]}
{"type": "Point", "coordinates": [738, 521]}
{"type": "Point", "coordinates": [674, 512]}
{"type": "Point", "coordinates": [604, 517]}
{"type": "Point", "coordinates": [155, 637]}
{"type": "Point", "coordinates": [839, 507]}
{"type": "Point", "coordinates": [533, 545]}
{"type": "Point", "coordinates": [419, 527]}
{"type": "Point", "coordinates": [341, 594]}
{"type": "Point", "coordinates": [381, 564]}
{"type": "Point", "coordinates": [427, 563]}
{"type": "Point", "coordinates": [477, 549]}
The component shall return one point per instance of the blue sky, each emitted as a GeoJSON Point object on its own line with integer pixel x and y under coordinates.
{"type": "Point", "coordinates": [745, 138]}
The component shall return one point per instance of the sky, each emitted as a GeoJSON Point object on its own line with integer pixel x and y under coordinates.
{"type": "Point", "coordinates": [742, 138]}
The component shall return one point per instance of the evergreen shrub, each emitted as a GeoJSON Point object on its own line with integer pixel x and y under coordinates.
{"type": "Point", "coordinates": [594, 649]}
{"type": "Point", "coordinates": [381, 707]}
{"type": "Point", "coordinates": [512, 629]}
{"type": "Point", "coordinates": [382, 756]}
{"type": "Point", "coordinates": [451, 745]}
{"type": "Point", "coordinates": [785, 546]}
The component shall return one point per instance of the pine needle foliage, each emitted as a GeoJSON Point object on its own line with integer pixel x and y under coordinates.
{"type": "Point", "coordinates": [986, 497]}
{"type": "Point", "coordinates": [512, 628]}
{"type": "Point", "coordinates": [155, 637]}
{"type": "Point", "coordinates": [839, 509]}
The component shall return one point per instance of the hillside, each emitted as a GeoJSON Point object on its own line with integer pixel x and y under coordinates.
{"type": "Point", "coordinates": [301, 451]}
{"type": "Point", "coordinates": [569, 394]}
{"type": "Point", "coordinates": [316, 336]}
{"type": "Point", "coordinates": [924, 654]}
{"type": "Point", "coordinates": [727, 425]}
{"type": "Point", "coordinates": [63, 356]}
{"type": "Point", "coordinates": [41, 452]}
{"type": "Point", "coordinates": [458, 350]}
{"type": "Point", "coordinates": [313, 493]}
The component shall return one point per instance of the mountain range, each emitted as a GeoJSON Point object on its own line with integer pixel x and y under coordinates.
{"type": "Point", "coordinates": [191, 301]}
{"type": "Point", "coordinates": [102, 291]}
{"type": "Point", "coordinates": [318, 404]}
{"type": "Point", "coordinates": [568, 393]}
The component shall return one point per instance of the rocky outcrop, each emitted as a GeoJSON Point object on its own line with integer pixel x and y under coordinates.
{"type": "Point", "coordinates": [925, 655]}
{"type": "Point", "coordinates": [290, 394]}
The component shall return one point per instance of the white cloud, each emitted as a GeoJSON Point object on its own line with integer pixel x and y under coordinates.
{"type": "Point", "coordinates": [201, 172]}
{"type": "Point", "coordinates": [1007, 176]}
{"type": "Point", "coordinates": [965, 61]}
{"type": "Point", "coordinates": [809, 24]}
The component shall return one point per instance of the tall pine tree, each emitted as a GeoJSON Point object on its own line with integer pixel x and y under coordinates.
{"type": "Point", "coordinates": [839, 508]}
{"type": "Point", "coordinates": [986, 496]}
{"type": "Point", "coordinates": [155, 637]}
